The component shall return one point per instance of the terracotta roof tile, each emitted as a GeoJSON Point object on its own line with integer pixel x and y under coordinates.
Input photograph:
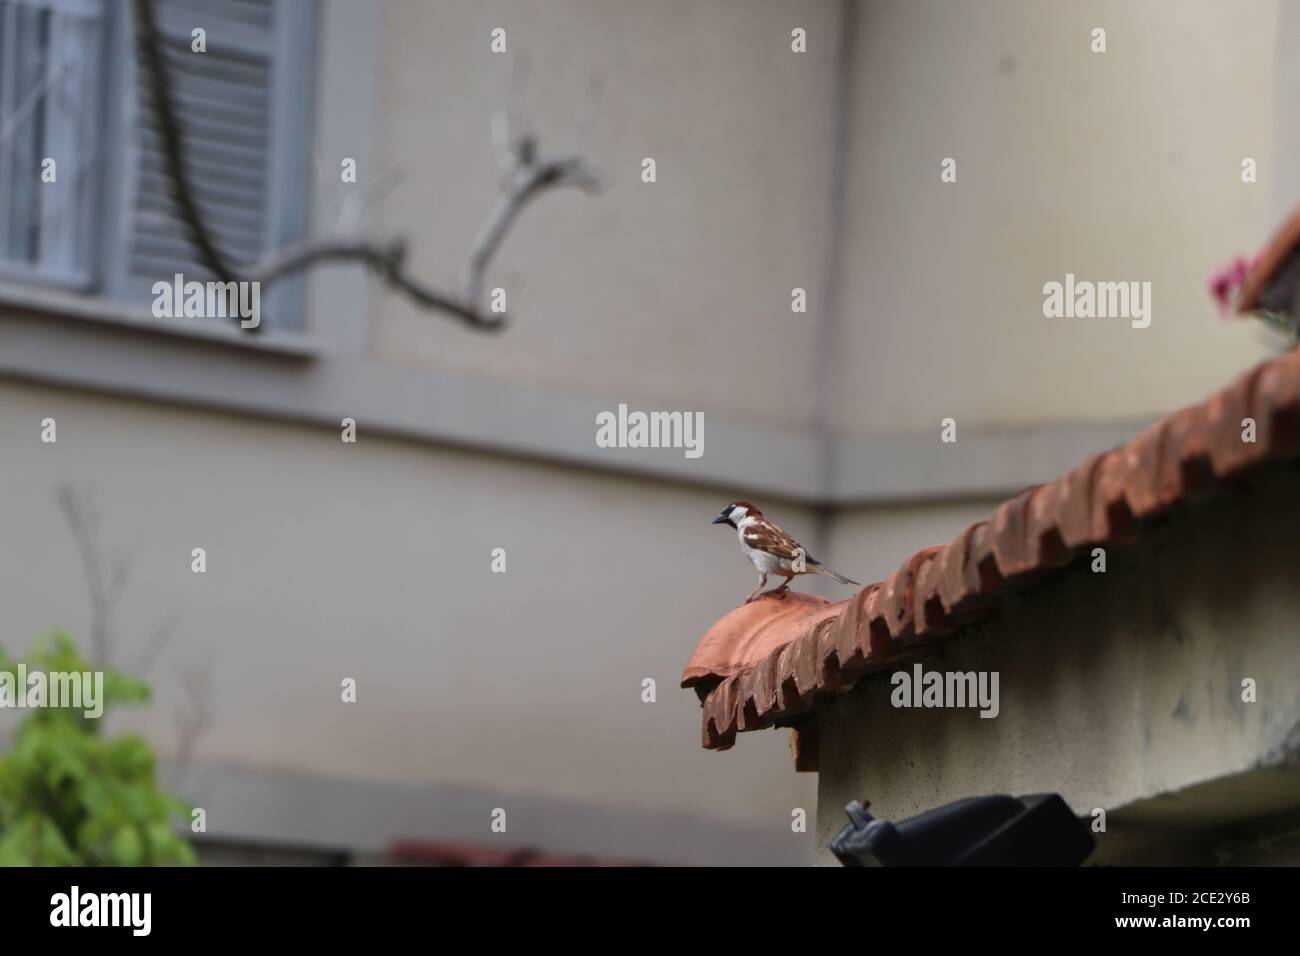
{"type": "Point", "coordinates": [894, 604]}
{"type": "Point", "coordinates": [828, 655]}
{"type": "Point", "coordinates": [1142, 471]}
{"type": "Point", "coordinates": [1185, 471]}
{"type": "Point", "coordinates": [751, 632]}
{"type": "Point", "coordinates": [1042, 526]}
{"type": "Point", "coordinates": [1112, 518]}
{"type": "Point", "coordinates": [789, 695]}
{"type": "Point", "coordinates": [425, 853]}
{"type": "Point", "coordinates": [770, 661]}
{"type": "Point", "coordinates": [1277, 404]}
{"type": "Point", "coordinates": [931, 618]}
{"type": "Point", "coordinates": [955, 590]}
{"type": "Point", "coordinates": [1071, 502]}
{"type": "Point", "coordinates": [1274, 255]}
{"type": "Point", "coordinates": [982, 575]}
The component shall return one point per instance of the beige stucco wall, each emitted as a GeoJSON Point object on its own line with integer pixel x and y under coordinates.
{"type": "Point", "coordinates": [676, 292]}
{"type": "Point", "coordinates": [372, 561]}
{"type": "Point", "coordinates": [1114, 688]}
{"type": "Point", "coordinates": [1116, 166]}
{"type": "Point", "coordinates": [869, 544]}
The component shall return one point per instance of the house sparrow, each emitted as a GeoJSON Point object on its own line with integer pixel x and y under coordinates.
{"type": "Point", "coordinates": [771, 549]}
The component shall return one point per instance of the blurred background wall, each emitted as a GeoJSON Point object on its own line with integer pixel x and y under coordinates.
{"type": "Point", "coordinates": [775, 170]}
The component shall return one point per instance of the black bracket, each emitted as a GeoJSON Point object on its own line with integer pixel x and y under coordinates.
{"type": "Point", "coordinates": [1037, 830]}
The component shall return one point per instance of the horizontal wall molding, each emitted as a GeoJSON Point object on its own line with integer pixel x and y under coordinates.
{"type": "Point", "coordinates": [321, 387]}
{"type": "Point", "coordinates": [982, 462]}
{"type": "Point", "coordinates": [48, 304]}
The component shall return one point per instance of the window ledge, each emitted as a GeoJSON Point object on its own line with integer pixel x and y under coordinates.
{"type": "Point", "coordinates": [292, 345]}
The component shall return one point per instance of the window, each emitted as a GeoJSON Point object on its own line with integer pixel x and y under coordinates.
{"type": "Point", "coordinates": [49, 62]}
{"type": "Point", "coordinates": [112, 229]}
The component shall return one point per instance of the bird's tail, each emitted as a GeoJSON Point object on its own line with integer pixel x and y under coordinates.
{"type": "Point", "coordinates": [822, 569]}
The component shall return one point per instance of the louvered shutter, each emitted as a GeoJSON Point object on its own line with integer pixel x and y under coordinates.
{"type": "Point", "coordinates": [242, 108]}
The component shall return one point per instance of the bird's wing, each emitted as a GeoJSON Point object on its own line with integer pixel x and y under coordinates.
{"type": "Point", "coordinates": [762, 536]}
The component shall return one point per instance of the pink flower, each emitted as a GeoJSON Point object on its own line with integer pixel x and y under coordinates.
{"type": "Point", "coordinates": [1228, 280]}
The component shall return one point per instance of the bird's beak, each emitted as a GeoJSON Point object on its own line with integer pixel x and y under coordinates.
{"type": "Point", "coordinates": [721, 519]}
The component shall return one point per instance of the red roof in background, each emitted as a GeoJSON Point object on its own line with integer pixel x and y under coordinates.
{"type": "Point", "coordinates": [426, 853]}
{"type": "Point", "coordinates": [776, 658]}
{"type": "Point", "coordinates": [1277, 251]}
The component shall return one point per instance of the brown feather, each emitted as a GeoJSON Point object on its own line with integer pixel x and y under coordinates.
{"type": "Point", "coordinates": [767, 537]}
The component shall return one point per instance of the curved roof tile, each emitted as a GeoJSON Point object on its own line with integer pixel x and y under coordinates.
{"type": "Point", "coordinates": [776, 657]}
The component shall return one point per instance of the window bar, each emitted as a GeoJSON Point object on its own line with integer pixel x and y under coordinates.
{"type": "Point", "coordinates": [55, 116]}
{"type": "Point", "coordinates": [62, 116]}
{"type": "Point", "coordinates": [8, 80]}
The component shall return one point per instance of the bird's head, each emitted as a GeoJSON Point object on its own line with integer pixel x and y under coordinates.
{"type": "Point", "coordinates": [735, 512]}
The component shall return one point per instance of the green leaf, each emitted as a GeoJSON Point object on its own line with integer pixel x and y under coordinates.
{"type": "Point", "coordinates": [128, 848]}
{"type": "Point", "coordinates": [70, 797]}
{"type": "Point", "coordinates": [54, 849]}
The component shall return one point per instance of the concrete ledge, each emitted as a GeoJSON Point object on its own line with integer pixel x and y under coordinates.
{"type": "Point", "coordinates": [300, 379]}
{"type": "Point", "coordinates": [1115, 688]}
{"type": "Point", "coordinates": [45, 305]}
{"type": "Point", "coordinates": [1245, 819]}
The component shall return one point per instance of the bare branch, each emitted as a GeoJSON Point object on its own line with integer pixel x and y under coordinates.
{"type": "Point", "coordinates": [513, 140]}
{"type": "Point", "coordinates": [104, 576]}
{"type": "Point", "coordinates": [524, 175]}
{"type": "Point", "coordinates": [356, 205]}
{"type": "Point", "coordinates": [193, 716]}
{"type": "Point", "coordinates": [527, 182]}
{"type": "Point", "coordinates": [161, 637]}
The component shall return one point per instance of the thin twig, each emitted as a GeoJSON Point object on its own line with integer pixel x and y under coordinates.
{"type": "Point", "coordinates": [525, 177]}
{"type": "Point", "coordinates": [194, 717]}
{"type": "Point", "coordinates": [162, 636]}
{"type": "Point", "coordinates": [528, 182]}
{"type": "Point", "coordinates": [105, 577]}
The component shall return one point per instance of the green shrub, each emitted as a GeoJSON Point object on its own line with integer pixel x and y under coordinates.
{"type": "Point", "coordinates": [69, 796]}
